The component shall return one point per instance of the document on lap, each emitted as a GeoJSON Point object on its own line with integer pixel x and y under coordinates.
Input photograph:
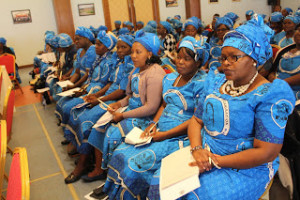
{"type": "Point", "coordinates": [134, 137]}
{"type": "Point", "coordinates": [47, 57]}
{"type": "Point", "coordinates": [64, 84]}
{"type": "Point", "coordinates": [69, 92]}
{"type": "Point", "coordinates": [107, 117]}
{"type": "Point", "coordinates": [177, 178]}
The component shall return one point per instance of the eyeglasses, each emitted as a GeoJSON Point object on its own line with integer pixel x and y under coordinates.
{"type": "Point", "coordinates": [231, 59]}
{"type": "Point", "coordinates": [222, 29]}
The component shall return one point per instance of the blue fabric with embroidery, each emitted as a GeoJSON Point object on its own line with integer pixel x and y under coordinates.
{"type": "Point", "coordinates": [281, 40]}
{"type": "Point", "coordinates": [230, 126]}
{"type": "Point", "coordinates": [135, 166]}
{"type": "Point", "coordinates": [215, 54]}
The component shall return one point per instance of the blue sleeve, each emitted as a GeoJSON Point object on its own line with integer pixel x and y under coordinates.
{"type": "Point", "coordinates": [272, 111]}
{"type": "Point", "coordinates": [90, 57]}
{"type": "Point", "coordinates": [124, 79]}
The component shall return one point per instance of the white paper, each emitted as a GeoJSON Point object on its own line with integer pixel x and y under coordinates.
{"type": "Point", "coordinates": [82, 105]}
{"type": "Point", "coordinates": [107, 117]}
{"type": "Point", "coordinates": [69, 92]}
{"type": "Point", "coordinates": [175, 183]}
{"type": "Point", "coordinates": [134, 137]}
{"type": "Point", "coordinates": [64, 84]}
{"type": "Point", "coordinates": [47, 57]}
{"type": "Point", "coordinates": [43, 90]}
{"type": "Point", "coordinates": [51, 68]}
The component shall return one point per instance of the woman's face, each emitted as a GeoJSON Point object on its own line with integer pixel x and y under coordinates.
{"type": "Point", "coordinates": [139, 26]}
{"type": "Point", "coordinates": [161, 30]}
{"type": "Point", "coordinates": [288, 25]}
{"type": "Point", "coordinates": [190, 30]}
{"type": "Point", "coordinates": [100, 48]}
{"type": "Point", "coordinates": [123, 49]}
{"type": "Point", "coordinates": [276, 26]}
{"type": "Point", "coordinates": [221, 31]}
{"type": "Point", "coordinates": [80, 41]}
{"type": "Point", "coordinates": [139, 54]}
{"type": "Point", "coordinates": [237, 71]}
{"type": "Point", "coordinates": [185, 64]}
{"type": "Point", "coordinates": [284, 12]}
{"type": "Point", "coordinates": [297, 36]}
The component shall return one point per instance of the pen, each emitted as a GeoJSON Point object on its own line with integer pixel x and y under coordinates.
{"type": "Point", "coordinates": [152, 127]}
{"type": "Point", "coordinates": [104, 103]}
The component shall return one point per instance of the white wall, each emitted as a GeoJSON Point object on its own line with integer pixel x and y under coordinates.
{"type": "Point", "coordinates": [240, 8]}
{"type": "Point", "coordinates": [94, 20]}
{"type": "Point", "coordinates": [165, 12]}
{"type": "Point", "coordinates": [27, 39]}
{"type": "Point", "coordinates": [293, 4]}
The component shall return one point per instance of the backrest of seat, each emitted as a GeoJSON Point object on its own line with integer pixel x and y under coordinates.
{"type": "Point", "coordinates": [9, 61]}
{"type": "Point", "coordinates": [3, 147]}
{"type": "Point", "coordinates": [8, 109]}
{"type": "Point", "coordinates": [14, 187]}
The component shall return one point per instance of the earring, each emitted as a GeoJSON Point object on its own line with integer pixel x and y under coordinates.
{"type": "Point", "coordinates": [254, 64]}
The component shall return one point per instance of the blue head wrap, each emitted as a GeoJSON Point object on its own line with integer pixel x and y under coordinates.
{"type": "Point", "coordinates": [250, 12]}
{"type": "Point", "coordinates": [140, 22]}
{"type": "Point", "coordinates": [54, 41]}
{"type": "Point", "coordinates": [258, 20]}
{"type": "Point", "coordinates": [176, 23]}
{"type": "Point", "coordinates": [127, 38]}
{"type": "Point", "coordinates": [149, 40]}
{"type": "Point", "coordinates": [118, 22]}
{"type": "Point", "coordinates": [64, 40]}
{"type": "Point", "coordinates": [294, 19]}
{"type": "Point", "coordinates": [123, 31]}
{"type": "Point", "coordinates": [169, 18]}
{"type": "Point", "coordinates": [149, 29]}
{"type": "Point", "coordinates": [3, 41]}
{"type": "Point", "coordinates": [167, 26]}
{"type": "Point", "coordinates": [191, 21]}
{"type": "Point", "coordinates": [297, 13]}
{"type": "Point", "coordinates": [263, 16]}
{"type": "Point", "coordinates": [102, 28]}
{"type": "Point", "coordinates": [125, 23]}
{"type": "Point", "coordinates": [129, 24]}
{"type": "Point", "coordinates": [48, 38]}
{"type": "Point", "coordinates": [250, 39]}
{"type": "Point", "coordinates": [107, 40]}
{"type": "Point", "coordinates": [276, 17]}
{"type": "Point", "coordinates": [289, 10]}
{"type": "Point", "coordinates": [178, 17]}
{"type": "Point", "coordinates": [224, 20]}
{"type": "Point", "coordinates": [194, 45]}
{"type": "Point", "coordinates": [49, 32]}
{"type": "Point", "coordinates": [153, 24]}
{"type": "Point", "coordinates": [232, 16]}
{"type": "Point", "coordinates": [85, 32]}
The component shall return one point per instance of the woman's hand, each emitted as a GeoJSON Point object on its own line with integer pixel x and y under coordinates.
{"type": "Point", "coordinates": [89, 98]}
{"type": "Point", "coordinates": [113, 107]}
{"type": "Point", "coordinates": [201, 157]}
{"type": "Point", "coordinates": [159, 136]}
{"type": "Point", "coordinates": [79, 93]}
{"type": "Point", "coordinates": [147, 131]}
{"type": "Point", "coordinates": [117, 117]}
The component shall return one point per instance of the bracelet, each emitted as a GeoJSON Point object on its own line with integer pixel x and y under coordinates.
{"type": "Point", "coordinates": [151, 122]}
{"type": "Point", "coordinates": [196, 148]}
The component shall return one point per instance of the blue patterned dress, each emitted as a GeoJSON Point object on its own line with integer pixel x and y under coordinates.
{"type": "Point", "coordinates": [215, 54]}
{"type": "Point", "coordinates": [289, 65]}
{"type": "Point", "coordinates": [82, 119]}
{"type": "Point", "coordinates": [108, 139]}
{"type": "Point", "coordinates": [230, 126]}
{"type": "Point", "coordinates": [281, 40]}
{"type": "Point", "coordinates": [134, 167]}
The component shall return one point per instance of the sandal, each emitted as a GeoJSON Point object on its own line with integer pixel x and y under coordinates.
{"type": "Point", "coordinates": [72, 178]}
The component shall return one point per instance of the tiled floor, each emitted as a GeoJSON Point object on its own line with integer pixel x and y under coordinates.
{"type": "Point", "coordinates": [34, 127]}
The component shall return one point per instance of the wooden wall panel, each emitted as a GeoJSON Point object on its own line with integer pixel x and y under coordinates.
{"type": "Point", "coordinates": [64, 17]}
{"type": "Point", "coordinates": [193, 8]}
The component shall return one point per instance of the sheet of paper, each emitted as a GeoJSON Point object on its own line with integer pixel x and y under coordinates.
{"type": "Point", "coordinates": [69, 92]}
{"type": "Point", "coordinates": [43, 90]}
{"type": "Point", "coordinates": [175, 183]}
{"type": "Point", "coordinates": [133, 137]}
{"type": "Point", "coordinates": [107, 117]}
{"type": "Point", "coordinates": [48, 57]}
{"type": "Point", "coordinates": [82, 105]}
{"type": "Point", "coordinates": [64, 84]}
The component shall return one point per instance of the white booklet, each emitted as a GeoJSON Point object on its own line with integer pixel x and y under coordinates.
{"type": "Point", "coordinates": [47, 57]}
{"type": "Point", "coordinates": [64, 84]}
{"type": "Point", "coordinates": [107, 117]}
{"type": "Point", "coordinates": [69, 92]}
{"type": "Point", "coordinates": [134, 137]}
{"type": "Point", "coordinates": [43, 90]}
{"type": "Point", "coordinates": [177, 178]}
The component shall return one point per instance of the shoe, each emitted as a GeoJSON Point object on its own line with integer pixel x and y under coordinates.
{"type": "Point", "coordinates": [86, 178]}
{"type": "Point", "coordinates": [98, 194]}
{"type": "Point", "coordinates": [73, 153]}
{"type": "Point", "coordinates": [72, 178]}
{"type": "Point", "coordinates": [65, 142]}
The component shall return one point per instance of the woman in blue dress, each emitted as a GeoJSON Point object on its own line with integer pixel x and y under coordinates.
{"type": "Point", "coordinates": [143, 98]}
{"type": "Point", "coordinates": [86, 56]}
{"type": "Point", "coordinates": [276, 23]}
{"type": "Point", "coordinates": [240, 125]}
{"type": "Point", "coordinates": [97, 79]}
{"type": "Point", "coordinates": [285, 37]}
{"type": "Point", "coordinates": [82, 119]}
{"type": "Point", "coordinates": [131, 168]}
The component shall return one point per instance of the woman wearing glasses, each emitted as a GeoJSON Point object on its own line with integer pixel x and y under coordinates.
{"type": "Point", "coordinates": [240, 125]}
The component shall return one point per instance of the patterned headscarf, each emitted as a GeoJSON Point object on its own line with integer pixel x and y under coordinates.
{"type": "Point", "coordinates": [149, 40]}
{"type": "Point", "coordinates": [176, 23]}
{"type": "Point", "coordinates": [64, 40]}
{"type": "Point", "coordinates": [194, 45]}
{"type": "Point", "coordinates": [140, 22]}
{"type": "Point", "coordinates": [250, 12]}
{"type": "Point", "coordinates": [128, 39]}
{"type": "Point", "coordinates": [107, 40]}
{"type": "Point", "coordinates": [123, 31]}
{"type": "Point", "coordinates": [129, 24]}
{"type": "Point", "coordinates": [149, 29]}
{"type": "Point", "coordinates": [3, 41]}
{"type": "Point", "coordinates": [118, 22]}
{"type": "Point", "coordinates": [54, 41]}
{"type": "Point", "coordinates": [294, 19]}
{"type": "Point", "coordinates": [167, 26]}
{"type": "Point", "coordinates": [85, 32]}
{"type": "Point", "coordinates": [276, 17]}
{"type": "Point", "coordinates": [191, 21]}
{"type": "Point", "coordinates": [224, 20]}
{"type": "Point", "coordinates": [289, 10]}
{"type": "Point", "coordinates": [232, 16]}
{"type": "Point", "coordinates": [250, 39]}
{"type": "Point", "coordinates": [152, 23]}
{"type": "Point", "coordinates": [178, 17]}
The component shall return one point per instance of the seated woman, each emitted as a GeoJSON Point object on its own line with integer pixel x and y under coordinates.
{"type": "Point", "coordinates": [97, 79]}
{"type": "Point", "coordinates": [82, 119]}
{"type": "Point", "coordinates": [190, 28]}
{"type": "Point", "coordinates": [287, 63]}
{"type": "Point", "coordinates": [277, 25]}
{"type": "Point", "coordinates": [222, 26]}
{"type": "Point", "coordinates": [134, 166]}
{"type": "Point", "coordinates": [166, 33]}
{"type": "Point", "coordinates": [143, 98]}
{"type": "Point", "coordinates": [285, 37]}
{"type": "Point", "coordinates": [240, 125]}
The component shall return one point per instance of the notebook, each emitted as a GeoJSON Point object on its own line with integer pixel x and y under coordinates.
{"type": "Point", "coordinates": [177, 178]}
{"type": "Point", "coordinates": [133, 137]}
{"type": "Point", "coordinates": [64, 84]}
{"type": "Point", "coordinates": [107, 117]}
{"type": "Point", "coordinates": [69, 93]}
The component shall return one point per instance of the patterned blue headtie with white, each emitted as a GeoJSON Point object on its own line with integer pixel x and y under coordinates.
{"type": "Point", "coordinates": [191, 21]}
{"type": "Point", "coordinates": [123, 31]}
{"type": "Point", "coordinates": [152, 23]}
{"type": "Point", "coordinates": [250, 39]}
{"type": "Point", "coordinates": [118, 22]}
{"type": "Point", "coordinates": [224, 20]}
{"type": "Point", "coordinates": [167, 26]}
{"type": "Point", "coordinates": [191, 43]}
{"type": "Point", "coordinates": [3, 41]}
{"type": "Point", "coordinates": [294, 19]}
{"type": "Point", "coordinates": [149, 40]}
{"type": "Point", "coordinates": [85, 32]}
{"type": "Point", "coordinates": [64, 40]}
{"type": "Point", "coordinates": [289, 10]}
{"type": "Point", "coordinates": [232, 16]}
{"type": "Point", "coordinates": [107, 40]}
{"type": "Point", "coordinates": [250, 12]}
{"type": "Point", "coordinates": [276, 17]}
{"type": "Point", "coordinates": [127, 38]}
{"type": "Point", "coordinates": [140, 22]}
